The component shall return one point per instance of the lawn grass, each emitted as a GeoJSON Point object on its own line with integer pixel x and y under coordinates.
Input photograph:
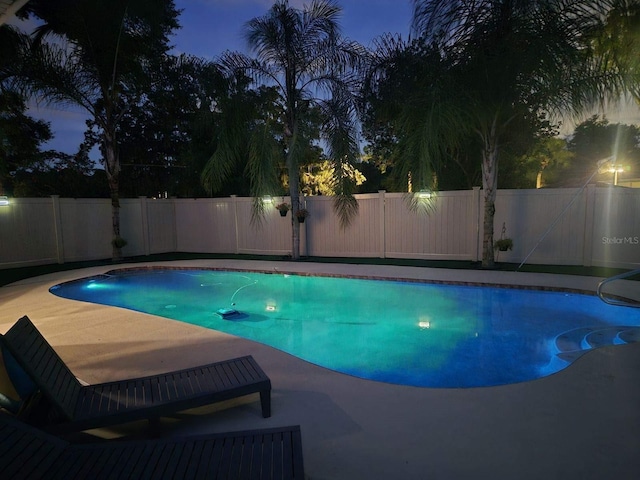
{"type": "Point", "coordinates": [11, 275]}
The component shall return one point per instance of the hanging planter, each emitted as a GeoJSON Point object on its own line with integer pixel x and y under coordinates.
{"type": "Point", "coordinates": [283, 208]}
{"type": "Point", "coordinates": [119, 242]}
{"type": "Point", "coordinates": [302, 214]}
{"type": "Point", "coordinates": [504, 243]}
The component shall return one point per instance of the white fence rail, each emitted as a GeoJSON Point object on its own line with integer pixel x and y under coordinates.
{"type": "Point", "coordinates": [595, 226]}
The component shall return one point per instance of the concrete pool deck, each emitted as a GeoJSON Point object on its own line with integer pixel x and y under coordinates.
{"type": "Point", "coordinates": [580, 423]}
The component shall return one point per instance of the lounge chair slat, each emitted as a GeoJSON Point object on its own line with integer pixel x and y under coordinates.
{"type": "Point", "coordinates": [106, 462]}
{"type": "Point", "coordinates": [25, 455]}
{"type": "Point", "coordinates": [200, 461]}
{"type": "Point", "coordinates": [236, 458]}
{"type": "Point", "coordinates": [170, 466]}
{"type": "Point", "coordinates": [278, 455]}
{"type": "Point", "coordinates": [85, 463]}
{"type": "Point", "coordinates": [184, 461]}
{"type": "Point", "coordinates": [142, 461]}
{"type": "Point", "coordinates": [151, 462]}
{"type": "Point", "coordinates": [125, 469]}
{"type": "Point", "coordinates": [137, 394]}
{"type": "Point", "coordinates": [287, 450]}
{"type": "Point", "coordinates": [256, 457]}
{"type": "Point", "coordinates": [225, 458]}
{"type": "Point", "coordinates": [223, 372]}
{"type": "Point", "coordinates": [104, 399]}
{"type": "Point", "coordinates": [267, 456]}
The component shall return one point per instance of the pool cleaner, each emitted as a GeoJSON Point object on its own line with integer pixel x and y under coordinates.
{"type": "Point", "coordinates": [227, 313]}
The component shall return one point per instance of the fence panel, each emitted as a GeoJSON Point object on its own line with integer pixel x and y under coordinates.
{"type": "Point", "coordinates": [616, 228]}
{"type": "Point", "coordinates": [444, 231]}
{"type": "Point", "coordinates": [132, 226]}
{"type": "Point", "coordinates": [161, 225]}
{"type": "Point", "coordinates": [528, 214]}
{"type": "Point", "coordinates": [270, 235]}
{"type": "Point", "coordinates": [326, 238]}
{"type": "Point", "coordinates": [205, 225]}
{"type": "Point", "coordinates": [86, 228]}
{"type": "Point", "coordinates": [27, 233]}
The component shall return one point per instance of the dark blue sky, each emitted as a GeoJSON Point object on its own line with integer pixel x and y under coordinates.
{"type": "Point", "coordinates": [213, 26]}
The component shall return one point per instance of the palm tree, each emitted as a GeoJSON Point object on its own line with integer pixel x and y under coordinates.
{"type": "Point", "coordinates": [412, 113]}
{"type": "Point", "coordinates": [513, 61]}
{"type": "Point", "coordinates": [301, 54]}
{"type": "Point", "coordinates": [20, 135]}
{"type": "Point", "coordinates": [617, 44]}
{"type": "Point", "coordinates": [97, 55]}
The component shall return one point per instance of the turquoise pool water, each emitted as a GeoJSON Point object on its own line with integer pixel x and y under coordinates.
{"type": "Point", "coordinates": [406, 333]}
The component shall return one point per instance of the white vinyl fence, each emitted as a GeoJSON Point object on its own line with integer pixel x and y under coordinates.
{"type": "Point", "coordinates": [597, 226]}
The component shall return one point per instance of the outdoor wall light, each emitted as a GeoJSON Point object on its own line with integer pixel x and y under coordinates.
{"type": "Point", "coordinates": [424, 193]}
{"type": "Point", "coordinates": [615, 169]}
{"type": "Point", "coordinates": [267, 199]}
{"type": "Point", "coordinates": [4, 201]}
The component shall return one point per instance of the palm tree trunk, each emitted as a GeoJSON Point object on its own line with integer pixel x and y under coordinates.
{"type": "Point", "coordinates": [294, 193]}
{"type": "Point", "coordinates": [112, 168]}
{"type": "Point", "coordinates": [489, 186]}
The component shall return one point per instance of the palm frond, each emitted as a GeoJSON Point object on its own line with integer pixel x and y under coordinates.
{"type": "Point", "coordinates": [264, 158]}
{"type": "Point", "coordinates": [57, 74]}
{"type": "Point", "coordinates": [347, 208]}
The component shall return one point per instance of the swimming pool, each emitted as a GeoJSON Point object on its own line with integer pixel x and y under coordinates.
{"type": "Point", "coordinates": [400, 332]}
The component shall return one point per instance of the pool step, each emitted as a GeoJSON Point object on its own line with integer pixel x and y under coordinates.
{"type": "Point", "coordinates": [571, 341]}
{"type": "Point", "coordinates": [630, 335]}
{"type": "Point", "coordinates": [606, 336]}
{"type": "Point", "coordinates": [574, 343]}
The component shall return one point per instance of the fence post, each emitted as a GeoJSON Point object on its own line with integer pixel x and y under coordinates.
{"type": "Point", "coordinates": [144, 218]}
{"type": "Point", "coordinates": [383, 223]}
{"type": "Point", "coordinates": [234, 202]}
{"type": "Point", "coordinates": [589, 222]}
{"type": "Point", "coordinates": [477, 220]}
{"type": "Point", "coordinates": [304, 250]}
{"type": "Point", "coordinates": [57, 227]}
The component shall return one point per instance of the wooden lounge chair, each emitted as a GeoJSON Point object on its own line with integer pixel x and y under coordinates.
{"type": "Point", "coordinates": [78, 407]}
{"type": "Point", "coordinates": [31, 454]}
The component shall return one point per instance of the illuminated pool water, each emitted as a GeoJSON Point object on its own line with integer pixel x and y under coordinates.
{"type": "Point", "coordinates": [399, 332]}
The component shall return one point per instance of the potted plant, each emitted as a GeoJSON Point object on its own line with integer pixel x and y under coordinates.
{"type": "Point", "coordinates": [503, 244]}
{"type": "Point", "coordinates": [283, 208]}
{"type": "Point", "coordinates": [118, 242]}
{"type": "Point", "coordinates": [302, 214]}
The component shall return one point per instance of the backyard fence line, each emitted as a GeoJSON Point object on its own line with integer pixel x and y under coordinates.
{"type": "Point", "coordinates": [598, 226]}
